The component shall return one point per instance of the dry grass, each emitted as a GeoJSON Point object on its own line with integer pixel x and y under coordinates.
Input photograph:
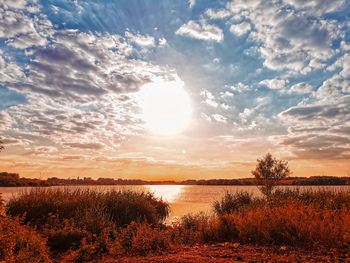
{"type": "Point", "coordinates": [89, 208]}
{"type": "Point", "coordinates": [305, 219]}
{"type": "Point", "coordinates": [88, 223]}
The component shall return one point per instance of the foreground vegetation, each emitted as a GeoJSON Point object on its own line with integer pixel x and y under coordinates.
{"type": "Point", "coordinates": [88, 226]}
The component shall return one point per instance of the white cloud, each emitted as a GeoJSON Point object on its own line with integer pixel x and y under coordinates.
{"type": "Point", "coordinates": [240, 29]}
{"type": "Point", "coordinates": [9, 71]}
{"type": "Point", "coordinates": [5, 121]}
{"type": "Point", "coordinates": [240, 87]}
{"type": "Point", "coordinates": [301, 88]}
{"type": "Point", "coordinates": [246, 113]}
{"type": "Point", "coordinates": [218, 14]}
{"type": "Point", "coordinates": [162, 41]}
{"type": "Point", "coordinates": [141, 40]}
{"type": "Point", "coordinates": [344, 64]}
{"type": "Point", "coordinates": [291, 39]}
{"type": "Point", "coordinates": [209, 98]}
{"type": "Point", "coordinates": [20, 30]}
{"type": "Point", "coordinates": [80, 66]}
{"type": "Point", "coordinates": [274, 83]}
{"type": "Point", "coordinates": [201, 31]}
{"type": "Point", "coordinates": [318, 7]}
{"type": "Point", "coordinates": [219, 118]}
{"type": "Point", "coordinates": [13, 4]}
{"type": "Point", "coordinates": [226, 94]}
{"type": "Point", "coordinates": [191, 3]}
{"type": "Point", "coordinates": [333, 88]}
{"type": "Point", "coordinates": [344, 46]}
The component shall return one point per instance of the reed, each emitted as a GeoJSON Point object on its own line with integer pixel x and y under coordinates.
{"type": "Point", "coordinates": [309, 219]}
{"type": "Point", "coordinates": [43, 206]}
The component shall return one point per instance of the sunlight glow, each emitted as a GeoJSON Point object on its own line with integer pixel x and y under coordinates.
{"type": "Point", "coordinates": [166, 107]}
{"type": "Point", "coordinates": [168, 193]}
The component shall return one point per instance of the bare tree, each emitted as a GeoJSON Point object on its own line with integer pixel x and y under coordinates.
{"type": "Point", "coordinates": [269, 171]}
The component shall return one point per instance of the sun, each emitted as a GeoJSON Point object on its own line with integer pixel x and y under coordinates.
{"type": "Point", "coordinates": [165, 107]}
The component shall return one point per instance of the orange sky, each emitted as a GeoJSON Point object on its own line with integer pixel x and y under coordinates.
{"type": "Point", "coordinates": [182, 165]}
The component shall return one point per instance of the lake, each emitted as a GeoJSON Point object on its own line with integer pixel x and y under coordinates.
{"type": "Point", "coordinates": [183, 199]}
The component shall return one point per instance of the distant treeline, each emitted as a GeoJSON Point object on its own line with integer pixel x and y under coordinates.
{"type": "Point", "coordinates": [13, 179]}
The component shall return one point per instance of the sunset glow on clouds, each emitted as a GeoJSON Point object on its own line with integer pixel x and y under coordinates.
{"type": "Point", "coordinates": [253, 77]}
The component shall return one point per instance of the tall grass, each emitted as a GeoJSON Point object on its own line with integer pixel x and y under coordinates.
{"type": "Point", "coordinates": [319, 219]}
{"type": "Point", "coordinates": [42, 206]}
{"type": "Point", "coordinates": [74, 220]}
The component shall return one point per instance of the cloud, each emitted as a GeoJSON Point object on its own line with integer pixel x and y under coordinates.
{"type": "Point", "coordinates": [141, 40]}
{"type": "Point", "coordinates": [5, 121]}
{"type": "Point", "coordinates": [240, 29]}
{"type": "Point", "coordinates": [79, 67]}
{"type": "Point", "coordinates": [274, 83]}
{"type": "Point", "coordinates": [301, 88]}
{"type": "Point", "coordinates": [318, 146]}
{"type": "Point", "coordinates": [90, 146]}
{"type": "Point", "coordinates": [318, 7]}
{"type": "Point", "coordinates": [14, 4]}
{"type": "Point", "coordinates": [219, 118]}
{"type": "Point", "coordinates": [20, 30]}
{"type": "Point", "coordinates": [334, 87]}
{"type": "Point", "coordinates": [10, 72]}
{"type": "Point", "coordinates": [342, 63]}
{"type": "Point", "coordinates": [80, 91]}
{"type": "Point", "coordinates": [320, 129]}
{"type": "Point", "coordinates": [218, 14]}
{"type": "Point", "coordinates": [209, 98]}
{"type": "Point", "coordinates": [162, 41]}
{"type": "Point", "coordinates": [201, 30]}
{"type": "Point", "coordinates": [240, 87]}
{"type": "Point", "coordinates": [298, 39]}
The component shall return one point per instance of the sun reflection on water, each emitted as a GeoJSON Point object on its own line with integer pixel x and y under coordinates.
{"type": "Point", "coordinates": [168, 193]}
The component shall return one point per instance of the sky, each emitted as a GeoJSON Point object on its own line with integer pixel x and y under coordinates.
{"type": "Point", "coordinates": [174, 89]}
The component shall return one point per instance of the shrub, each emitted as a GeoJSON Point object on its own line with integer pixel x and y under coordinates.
{"type": "Point", "coordinates": [294, 224]}
{"type": "Point", "coordinates": [2, 206]}
{"type": "Point", "coordinates": [65, 236]}
{"type": "Point", "coordinates": [135, 239]}
{"type": "Point", "coordinates": [20, 244]}
{"type": "Point", "coordinates": [143, 239]}
{"type": "Point", "coordinates": [232, 202]}
{"type": "Point", "coordinates": [186, 230]}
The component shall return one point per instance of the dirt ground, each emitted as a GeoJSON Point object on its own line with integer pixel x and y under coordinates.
{"type": "Point", "coordinates": [234, 252]}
